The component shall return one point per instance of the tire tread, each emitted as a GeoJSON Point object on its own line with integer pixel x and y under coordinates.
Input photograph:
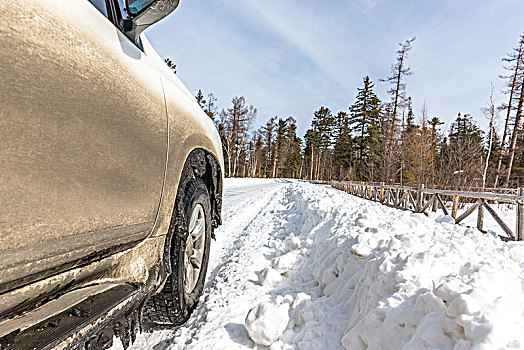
{"type": "Point", "coordinates": [165, 307]}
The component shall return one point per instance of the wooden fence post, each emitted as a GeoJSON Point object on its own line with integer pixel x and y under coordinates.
{"type": "Point", "coordinates": [435, 203]}
{"type": "Point", "coordinates": [454, 208]}
{"type": "Point", "coordinates": [420, 198]}
{"type": "Point", "coordinates": [520, 215]}
{"type": "Point", "coordinates": [480, 216]}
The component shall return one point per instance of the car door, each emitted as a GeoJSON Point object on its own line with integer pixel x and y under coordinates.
{"type": "Point", "coordinates": [83, 137]}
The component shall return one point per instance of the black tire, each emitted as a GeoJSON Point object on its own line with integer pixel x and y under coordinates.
{"type": "Point", "coordinates": [172, 306]}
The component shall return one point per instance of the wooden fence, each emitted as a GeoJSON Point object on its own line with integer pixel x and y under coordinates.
{"type": "Point", "coordinates": [451, 202]}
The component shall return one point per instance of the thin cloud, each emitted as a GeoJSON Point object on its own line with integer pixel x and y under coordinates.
{"type": "Point", "coordinates": [302, 28]}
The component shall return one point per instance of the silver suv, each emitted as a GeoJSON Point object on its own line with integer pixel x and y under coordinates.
{"type": "Point", "coordinates": [110, 178]}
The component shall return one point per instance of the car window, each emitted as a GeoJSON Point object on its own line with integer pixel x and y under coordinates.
{"type": "Point", "coordinates": [101, 6]}
{"type": "Point", "coordinates": [104, 7]}
{"type": "Point", "coordinates": [122, 7]}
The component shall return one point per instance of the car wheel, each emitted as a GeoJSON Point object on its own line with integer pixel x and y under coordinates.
{"type": "Point", "coordinates": [189, 256]}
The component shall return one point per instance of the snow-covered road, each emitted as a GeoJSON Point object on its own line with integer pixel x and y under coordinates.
{"type": "Point", "coordinates": [342, 272]}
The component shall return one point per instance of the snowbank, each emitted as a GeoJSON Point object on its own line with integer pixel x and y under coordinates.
{"type": "Point", "coordinates": [395, 280]}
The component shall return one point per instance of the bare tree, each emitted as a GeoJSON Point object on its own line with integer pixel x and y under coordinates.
{"type": "Point", "coordinates": [170, 64]}
{"type": "Point", "coordinates": [210, 106]}
{"type": "Point", "coordinates": [490, 112]}
{"type": "Point", "coordinates": [516, 60]}
{"type": "Point", "coordinates": [514, 136]}
{"type": "Point", "coordinates": [235, 123]}
{"type": "Point", "coordinates": [399, 70]}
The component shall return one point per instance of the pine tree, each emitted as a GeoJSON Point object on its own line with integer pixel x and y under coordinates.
{"type": "Point", "coordinates": [280, 148]}
{"type": "Point", "coordinates": [343, 150]}
{"type": "Point", "coordinates": [268, 133]}
{"type": "Point", "coordinates": [435, 122]}
{"type": "Point", "coordinates": [200, 99]}
{"type": "Point", "coordinates": [170, 64]}
{"type": "Point", "coordinates": [324, 123]}
{"type": "Point", "coordinates": [375, 164]}
{"type": "Point", "coordinates": [323, 126]}
{"type": "Point", "coordinates": [287, 148]}
{"type": "Point", "coordinates": [410, 117]}
{"type": "Point", "coordinates": [465, 152]}
{"type": "Point", "coordinates": [311, 152]}
{"type": "Point", "coordinates": [208, 106]}
{"type": "Point", "coordinates": [364, 113]}
{"type": "Point", "coordinates": [293, 163]}
{"type": "Point", "coordinates": [409, 132]}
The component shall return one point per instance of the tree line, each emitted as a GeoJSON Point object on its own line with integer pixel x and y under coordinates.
{"type": "Point", "coordinates": [381, 140]}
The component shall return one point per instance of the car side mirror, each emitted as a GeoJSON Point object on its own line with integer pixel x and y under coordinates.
{"type": "Point", "coordinates": [144, 13]}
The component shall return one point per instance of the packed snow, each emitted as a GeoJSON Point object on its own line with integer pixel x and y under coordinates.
{"type": "Point", "coordinates": [303, 266]}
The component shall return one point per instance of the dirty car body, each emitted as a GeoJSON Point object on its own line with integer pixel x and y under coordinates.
{"type": "Point", "coordinates": [96, 137]}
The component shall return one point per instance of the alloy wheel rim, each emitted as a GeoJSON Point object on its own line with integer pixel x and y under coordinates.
{"type": "Point", "coordinates": [194, 252]}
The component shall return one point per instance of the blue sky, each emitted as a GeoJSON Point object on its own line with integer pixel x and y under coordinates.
{"type": "Point", "coordinates": [288, 58]}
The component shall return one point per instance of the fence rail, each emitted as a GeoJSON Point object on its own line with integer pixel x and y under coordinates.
{"type": "Point", "coordinates": [421, 199]}
{"type": "Point", "coordinates": [498, 190]}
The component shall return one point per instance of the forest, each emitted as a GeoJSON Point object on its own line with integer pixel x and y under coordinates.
{"type": "Point", "coordinates": [382, 139]}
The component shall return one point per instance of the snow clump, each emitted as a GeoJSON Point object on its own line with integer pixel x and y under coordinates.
{"type": "Point", "coordinates": [269, 277]}
{"type": "Point", "coordinates": [445, 219]}
{"type": "Point", "coordinates": [284, 262]}
{"type": "Point", "coordinates": [266, 322]}
{"type": "Point", "coordinates": [292, 243]}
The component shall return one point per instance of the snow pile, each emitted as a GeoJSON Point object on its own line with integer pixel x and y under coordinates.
{"type": "Point", "coordinates": [394, 280]}
{"type": "Point", "coordinates": [413, 282]}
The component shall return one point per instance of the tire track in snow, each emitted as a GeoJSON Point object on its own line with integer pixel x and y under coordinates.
{"type": "Point", "coordinates": [242, 204]}
{"type": "Point", "coordinates": [245, 203]}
